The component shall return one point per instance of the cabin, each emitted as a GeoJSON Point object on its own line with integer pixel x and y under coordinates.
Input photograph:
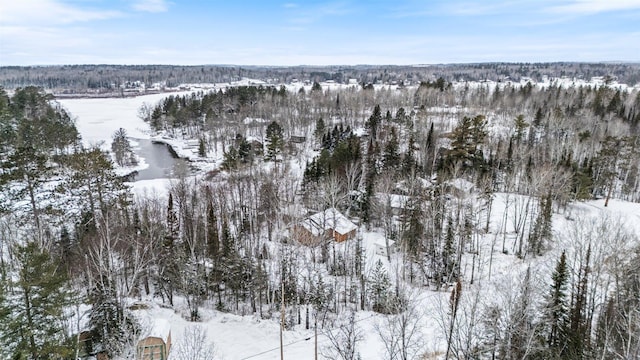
{"type": "Point", "coordinates": [329, 224]}
{"type": "Point", "coordinates": [297, 139]}
{"type": "Point", "coordinates": [157, 344]}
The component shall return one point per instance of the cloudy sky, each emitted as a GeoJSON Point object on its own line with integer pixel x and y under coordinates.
{"type": "Point", "coordinates": [265, 32]}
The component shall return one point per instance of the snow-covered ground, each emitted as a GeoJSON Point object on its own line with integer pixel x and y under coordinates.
{"type": "Point", "coordinates": [98, 119]}
{"type": "Point", "coordinates": [249, 337]}
{"type": "Point", "coordinates": [244, 337]}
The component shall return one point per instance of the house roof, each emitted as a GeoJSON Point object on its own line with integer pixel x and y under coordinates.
{"type": "Point", "coordinates": [330, 219]}
{"type": "Point", "coordinates": [161, 329]}
{"type": "Point", "coordinates": [395, 200]}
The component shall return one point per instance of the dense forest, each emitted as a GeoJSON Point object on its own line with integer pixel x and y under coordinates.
{"type": "Point", "coordinates": [73, 234]}
{"type": "Point", "coordinates": [105, 78]}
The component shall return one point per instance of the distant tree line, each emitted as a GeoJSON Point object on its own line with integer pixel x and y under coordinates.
{"type": "Point", "coordinates": [107, 78]}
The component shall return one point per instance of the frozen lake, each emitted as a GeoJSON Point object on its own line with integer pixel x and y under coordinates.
{"type": "Point", "coordinates": [98, 119]}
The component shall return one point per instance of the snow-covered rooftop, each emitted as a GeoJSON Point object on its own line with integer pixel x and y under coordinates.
{"type": "Point", "coordinates": [161, 329]}
{"type": "Point", "coordinates": [330, 219]}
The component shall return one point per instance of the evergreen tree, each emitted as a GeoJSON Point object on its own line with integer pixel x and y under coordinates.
{"type": "Point", "coordinates": [520, 125]}
{"type": "Point", "coordinates": [275, 140]}
{"type": "Point", "coordinates": [245, 153]}
{"type": "Point", "coordinates": [401, 116]}
{"type": "Point", "coordinates": [466, 139]}
{"type": "Point", "coordinates": [170, 260]}
{"type": "Point", "coordinates": [230, 161]}
{"type": "Point", "coordinates": [374, 121]}
{"type": "Point", "coordinates": [121, 148]}
{"type": "Point", "coordinates": [94, 181]}
{"type": "Point", "coordinates": [111, 324]}
{"type": "Point", "coordinates": [315, 88]}
{"type": "Point", "coordinates": [391, 155]}
{"type": "Point", "coordinates": [227, 240]}
{"type": "Point", "coordinates": [409, 160]}
{"type": "Point", "coordinates": [202, 150]}
{"type": "Point", "coordinates": [557, 308]}
{"type": "Point", "coordinates": [379, 286]}
{"type": "Point", "coordinates": [413, 228]}
{"type": "Point", "coordinates": [33, 312]}
{"type": "Point", "coordinates": [28, 170]}
{"type": "Point", "coordinates": [320, 128]}
{"type": "Point", "coordinates": [449, 263]}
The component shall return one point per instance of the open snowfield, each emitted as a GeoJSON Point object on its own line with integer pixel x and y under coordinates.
{"type": "Point", "coordinates": [97, 119]}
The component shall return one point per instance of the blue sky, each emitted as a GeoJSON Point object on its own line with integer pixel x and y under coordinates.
{"type": "Point", "coordinates": [264, 32]}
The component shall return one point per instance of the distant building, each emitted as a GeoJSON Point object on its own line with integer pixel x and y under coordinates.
{"type": "Point", "coordinates": [329, 224]}
{"type": "Point", "coordinates": [297, 139]}
{"type": "Point", "coordinates": [381, 247]}
{"type": "Point", "coordinates": [157, 344]}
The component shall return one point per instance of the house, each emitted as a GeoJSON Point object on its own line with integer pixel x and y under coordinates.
{"type": "Point", "coordinates": [396, 202]}
{"type": "Point", "coordinates": [329, 224]}
{"type": "Point", "coordinates": [157, 344]}
{"type": "Point", "coordinates": [381, 247]}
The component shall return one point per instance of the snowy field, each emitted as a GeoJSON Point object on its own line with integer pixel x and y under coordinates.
{"type": "Point", "coordinates": [98, 119]}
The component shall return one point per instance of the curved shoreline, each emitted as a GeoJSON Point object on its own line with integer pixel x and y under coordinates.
{"type": "Point", "coordinates": [172, 151]}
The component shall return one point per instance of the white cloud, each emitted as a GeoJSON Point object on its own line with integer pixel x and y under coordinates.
{"type": "Point", "coordinates": [153, 6]}
{"type": "Point", "coordinates": [595, 6]}
{"type": "Point", "coordinates": [43, 12]}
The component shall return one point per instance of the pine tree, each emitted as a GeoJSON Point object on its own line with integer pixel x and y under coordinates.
{"type": "Point", "coordinates": [111, 324]}
{"type": "Point", "coordinates": [28, 169]}
{"type": "Point", "coordinates": [391, 156]}
{"type": "Point", "coordinates": [202, 150]}
{"type": "Point", "coordinates": [466, 139]}
{"type": "Point", "coordinates": [227, 240]}
{"type": "Point", "coordinates": [413, 227]}
{"type": "Point", "coordinates": [230, 161]}
{"type": "Point", "coordinates": [374, 121]}
{"type": "Point", "coordinates": [379, 285]}
{"type": "Point", "coordinates": [121, 148]}
{"type": "Point", "coordinates": [520, 125]}
{"type": "Point", "coordinates": [449, 264]}
{"type": "Point", "coordinates": [169, 272]}
{"type": "Point", "coordinates": [557, 307]}
{"type": "Point", "coordinates": [275, 140]}
{"type": "Point", "coordinates": [320, 128]}
{"type": "Point", "coordinates": [33, 313]}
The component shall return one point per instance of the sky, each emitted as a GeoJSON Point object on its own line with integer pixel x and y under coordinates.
{"type": "Point", "coordinates": [316, 32]}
